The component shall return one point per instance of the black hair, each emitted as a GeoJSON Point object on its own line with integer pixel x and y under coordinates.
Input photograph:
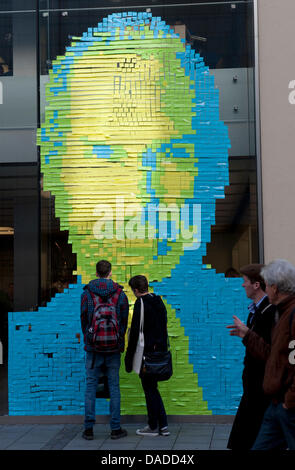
{"type": "Point", "coordinates": [103, 268]}
{"type": "Point", "coordinates": [253, 272]}
{"type": "Point", "coordinates": [140, 283]}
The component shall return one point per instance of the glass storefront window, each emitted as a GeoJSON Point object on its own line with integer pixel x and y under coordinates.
{"type": "Point", "coordinates": [6, 63]}
{"type": "Point", "coordinates": [218, 31]}
{"type": "Point", "coordinates": [222, 33]}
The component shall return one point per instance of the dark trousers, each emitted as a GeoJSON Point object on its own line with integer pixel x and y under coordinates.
{"type": "Point", "coordinates": [277, 429]}
{"type": "Point", "coordinates": [155, 407]}
{"type": "Point", "coordinates": [247, 421]}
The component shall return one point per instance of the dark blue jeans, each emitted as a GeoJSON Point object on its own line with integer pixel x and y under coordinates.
{"type": "Point", "coordinates": [157, 417]}
{"type": "Point", "coordinates": [277, 430]}
{"type": "Point", "coordinates": [93, 372]}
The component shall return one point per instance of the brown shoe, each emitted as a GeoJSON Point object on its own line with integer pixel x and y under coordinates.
{"type": "Point", "coordinates": [88, 434]}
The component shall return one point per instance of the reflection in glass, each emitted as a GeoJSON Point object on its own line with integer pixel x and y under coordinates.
{"type": "Point", "coordinates": [6, 37]}
{"type": "Point", "coordinates": [217, 31]}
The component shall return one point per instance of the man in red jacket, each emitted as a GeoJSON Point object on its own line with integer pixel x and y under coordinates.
{"type": "Point", "coordinates": [278, 426]}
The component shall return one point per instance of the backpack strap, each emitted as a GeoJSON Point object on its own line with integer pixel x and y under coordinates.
{"type": "Point", "coordinates": [103, 299]}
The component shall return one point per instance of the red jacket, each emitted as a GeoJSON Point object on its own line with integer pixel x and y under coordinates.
{"type": "Point", "coordinates": [279, 376]}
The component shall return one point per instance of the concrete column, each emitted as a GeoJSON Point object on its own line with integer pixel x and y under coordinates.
{"type": "Point", "coordinates": [276, 42]}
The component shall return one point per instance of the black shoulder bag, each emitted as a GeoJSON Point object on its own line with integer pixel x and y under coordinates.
{"type": "Point", "coordinates": [157, 364]}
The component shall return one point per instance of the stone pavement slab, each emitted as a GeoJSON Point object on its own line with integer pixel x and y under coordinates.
{"type": "Point", "coordinates": [34, 437]}
{"type": "Point", "coordinates": [61, 439]}
{"type": "Point", "coordinates": [184, 436]}
{"type": "Point", "coordinates": [12, 433]}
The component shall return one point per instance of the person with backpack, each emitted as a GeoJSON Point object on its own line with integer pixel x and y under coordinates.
{"type": "Point", "coordinates": [155, 339]}
{"type": "Point", "coordinates": [104, 319]}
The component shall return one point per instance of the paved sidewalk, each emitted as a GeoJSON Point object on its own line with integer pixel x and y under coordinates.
{"type": "Point", "coordinates": [184, 436]}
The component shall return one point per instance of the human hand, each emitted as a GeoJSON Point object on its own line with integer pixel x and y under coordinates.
{"type": "Point", "coordinates": [238, 328]}
{"type": "Point", "coordinates": [284, 406]}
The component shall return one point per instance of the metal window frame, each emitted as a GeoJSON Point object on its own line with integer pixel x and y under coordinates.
{"type": "Point", "coordinates": [258, 135]}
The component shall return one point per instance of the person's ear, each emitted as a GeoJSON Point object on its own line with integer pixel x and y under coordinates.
{"type": "Point", "coordinates": [275, 289]}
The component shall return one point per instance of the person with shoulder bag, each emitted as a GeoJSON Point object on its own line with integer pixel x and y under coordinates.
{"type": "Point", "coordinates": [148, 340]}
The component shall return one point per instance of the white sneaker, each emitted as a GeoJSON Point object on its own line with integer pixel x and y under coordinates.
{"type": "Point", "coordinates": [147, 431]}
{"type": "Point", "coordinates": [164, 431]}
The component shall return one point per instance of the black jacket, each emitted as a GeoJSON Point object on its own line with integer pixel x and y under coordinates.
{"type": "Point", "coordinates": [154, 328]}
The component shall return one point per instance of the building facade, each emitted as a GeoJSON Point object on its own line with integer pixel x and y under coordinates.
{"type": "Point", "coordinates": [144, 134]}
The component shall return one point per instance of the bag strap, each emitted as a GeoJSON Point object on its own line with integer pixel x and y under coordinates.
{"type": "Point", "coordinates": [141, 316]}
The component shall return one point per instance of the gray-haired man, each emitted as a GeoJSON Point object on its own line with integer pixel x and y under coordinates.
{"type": "Point", "coordinates": [278, 426]}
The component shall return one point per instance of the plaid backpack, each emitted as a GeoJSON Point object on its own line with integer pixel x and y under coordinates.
{"type": "Point", "coordinates": [103, 334]}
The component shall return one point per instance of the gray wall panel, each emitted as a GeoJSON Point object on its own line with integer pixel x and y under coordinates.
{"type": "Point", "coordinates": [18, 146]}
